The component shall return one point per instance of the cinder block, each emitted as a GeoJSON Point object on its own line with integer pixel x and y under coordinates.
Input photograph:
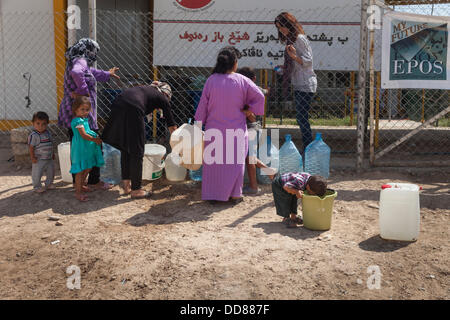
{"type": "Point", "coordinates": [20, 135]}
{"type": "Point", "coordinates": [20, 149]}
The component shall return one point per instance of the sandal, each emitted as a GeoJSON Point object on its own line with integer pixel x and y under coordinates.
{"type": "Point", "coordinates": [147, 194]}
{"type": "Point", "coordinates": [290, 223]}
{"type": "Point", "coordinates": [86, 189]}
{"type": "Point", "coordinates": [104, 186]}
{"type": "Point", "coordinates": [249, 190]}
{"type": "Point", "coordinates": [126, 191]}
{"type": "Point", "coordinates": [298, 220]}
{"type": "Point", "coordinates": [236, 201]}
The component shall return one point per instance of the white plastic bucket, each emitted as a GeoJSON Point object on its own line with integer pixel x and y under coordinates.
{"type": "Point", "coordinates": [64, 161]}
{"type": "Point", "coordinates": [153, 165]}
{"type": "Point", "coordinates": [174, 171]}
{"type": "Point", "coordinates": [187, 142]}
{"type": "Point", "coordinates": [399, 213]}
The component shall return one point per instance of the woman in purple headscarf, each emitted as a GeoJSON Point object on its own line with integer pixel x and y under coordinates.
{"type": "Point", "coordinates": [80, 78]}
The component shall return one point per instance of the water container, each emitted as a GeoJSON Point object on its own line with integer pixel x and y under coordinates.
{"type": "Point", "coordinates": [174, 172]}
{"type": "Point", "coordinates": [290, 158]}
{"type": "Point", "coordinates": [64, 161]}
{"type": "Point", "coordinates": [317, 211]}
{"type": "Point", "coordinates": [277, 69]}
{"type": "Point", "coordinates": [273, 162]}
{"type": "Point", "coordinates": [196, 175]}
{"type": "Point", "coordinates": [111, 172]}
{"type": "Point", "coordinates": [399, 212]}
{"type": "Point", "coordinates": [190, 150]}
{"type": "Point", "coordinates": [153, 165]}
{"type": "Point", "coordinates": [317, 157]}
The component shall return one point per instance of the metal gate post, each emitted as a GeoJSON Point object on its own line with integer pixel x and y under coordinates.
{"type": "Point", "coordinates": [371, 90]}
{"type": "Point", "coordinates": [362, 85]}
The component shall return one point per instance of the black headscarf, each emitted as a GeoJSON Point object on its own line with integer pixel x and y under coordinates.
{"type": "Point", "coordinates": [85, 48]}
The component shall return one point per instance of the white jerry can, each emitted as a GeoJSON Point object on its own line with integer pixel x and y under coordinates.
{"type": "Point", "coordinates": [399, 212]}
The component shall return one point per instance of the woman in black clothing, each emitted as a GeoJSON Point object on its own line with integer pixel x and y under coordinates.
{"type": "Point", "coordinates": [125, 129]}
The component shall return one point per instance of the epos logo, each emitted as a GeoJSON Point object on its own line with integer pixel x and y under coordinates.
{"type": "Point", "coordinates": [193, 4]}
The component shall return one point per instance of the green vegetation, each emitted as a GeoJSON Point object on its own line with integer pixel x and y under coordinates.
{"type": "Point", "coordinates": [332, 122]}
{"type": "Point", "coordinates": [444, 122]}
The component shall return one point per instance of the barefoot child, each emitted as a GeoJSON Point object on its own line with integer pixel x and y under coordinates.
{"type": "Point", "coordinates": [251, 161]}
{"type": "Point", "coordinates": [289, 187]}
{"type": "Point", "coordinates": [85, 152]}
{"type": "Point", "coordinates": [41, 152]}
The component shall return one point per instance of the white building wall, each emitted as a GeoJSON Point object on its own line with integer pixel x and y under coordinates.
{"type": "Point", "coordinates": [28, 46]}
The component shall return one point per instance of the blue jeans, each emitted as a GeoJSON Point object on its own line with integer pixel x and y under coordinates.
{"type": "Point", "coordinates": [303, 104]}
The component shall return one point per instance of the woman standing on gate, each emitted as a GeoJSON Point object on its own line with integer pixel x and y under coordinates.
{"type": "Point", "coordinates": [221, 110]}
{"type": "Point", "coordinates": [125, 129]}
{"type": "Point", "coordinates": [80, 79]}
{"type": "Point", "coordinates": [298, 69]}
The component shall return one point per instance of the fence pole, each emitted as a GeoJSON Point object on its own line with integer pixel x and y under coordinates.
{"type": "Point", "coordinates": [93, 22]}
{"type": "Point", "coordinates": [273, 88]}
{"type": "Point", "coordinates": [155, 78]}
{"type": "Point", "coordinates": [423, 106]}
{"type": "Point", "coordinates": [266, 79]}
{"type": "Point", "coordinates": [4, 124]}
{"type": "Point", "coordinates": [377, 112]}
{"type": "Point", "coordinates": [399, 101]}
{"type": "Point", "coordinates": [371, 90]}
{"type": "Point", "coordinates": [352, 96]}
{"type": "Point", "coordinates": [60, 35]}
{"type": "Point", "coordinates": [345, 104]}
{"type": "Point", "coordinates": [362, 85]}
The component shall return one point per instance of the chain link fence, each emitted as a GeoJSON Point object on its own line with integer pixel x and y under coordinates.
{"type": "Point", "coordinates": [181, 52]}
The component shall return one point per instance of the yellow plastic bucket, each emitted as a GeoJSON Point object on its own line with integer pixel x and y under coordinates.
{"type": "Point", "coordinates": [318, 211]}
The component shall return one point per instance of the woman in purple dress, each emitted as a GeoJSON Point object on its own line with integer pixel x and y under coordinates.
{"type": "Point", "coordinates": [226, 139]}
{"type": "Point", "coordinates": [80, 79]}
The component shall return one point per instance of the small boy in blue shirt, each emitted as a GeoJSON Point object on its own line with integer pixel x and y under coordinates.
{"type": "Point", "coordinates": [41, 152]}
{"type": "Point", "coordinates": [289, 187]}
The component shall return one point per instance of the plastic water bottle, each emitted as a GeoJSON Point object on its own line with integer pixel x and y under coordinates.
{"type": "Point", "coordinates": [274, 162]}
{"type": "Point", "coordinates": [317, 157]}
{"type": "Point", "coordinates": [196, 175]}
{"type": "Point", "coordinates": [111, 171]}
{"type": "Point", "coordinates": [277, 69]}
{"type": "Point", "coordinates": [290, 158]}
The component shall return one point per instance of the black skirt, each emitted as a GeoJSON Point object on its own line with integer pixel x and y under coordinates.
{"type": "Point", "coordinates": [125, 128]}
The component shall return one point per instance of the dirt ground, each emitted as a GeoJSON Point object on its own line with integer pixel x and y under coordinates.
{"type": "Point", "coordinates": [175, 246]}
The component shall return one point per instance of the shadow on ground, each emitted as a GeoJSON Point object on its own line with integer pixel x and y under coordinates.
{"type": "Point", "coordinates": [299, 233]}
{"type": "Point", "coordinates": [377, 244]}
